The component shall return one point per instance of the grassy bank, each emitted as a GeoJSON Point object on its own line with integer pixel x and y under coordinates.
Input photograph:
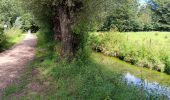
{"type": "Point", "coordinates": [50, 78]}
{"type": "Point", "coordinates": [144, 49]}
{"type": "Point", "coordinates": [10, 37]}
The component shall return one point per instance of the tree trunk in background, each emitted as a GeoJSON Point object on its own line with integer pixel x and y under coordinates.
{"type": "Point", "coordinates": [62, 27]}
{"type": "Point", "coordinates": [57, 28]}
{"type": "Point", "coordinates": [65, 18]}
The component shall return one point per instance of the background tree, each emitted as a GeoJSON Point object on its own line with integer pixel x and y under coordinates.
{"type": "Point", "coordinates": [145, 16]}
{"type": "Point", "coordinates": [69, 19]}
{"type": "Point", "coordinates": [123, 16]}
{"type": "Point", "coordinates": [9, 11]}
{"type": "Point", "coordinates": [28, 23]}
{"type": "Point", "coordinates": [162, 15]}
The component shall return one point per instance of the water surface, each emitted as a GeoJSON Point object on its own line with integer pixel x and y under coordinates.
{"type": "Point", "coordinates": [151, 81]}
{"type": "Point", "coordinates": [149, 87]}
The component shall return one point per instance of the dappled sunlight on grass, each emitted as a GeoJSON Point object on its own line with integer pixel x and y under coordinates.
{"type": "Point", "coordinates": [97, 77]}
{"type": "Point", "coordinates": [11, 37]}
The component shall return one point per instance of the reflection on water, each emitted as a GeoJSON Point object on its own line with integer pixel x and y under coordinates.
{"type": "Point", "coordinates": [150, 87]}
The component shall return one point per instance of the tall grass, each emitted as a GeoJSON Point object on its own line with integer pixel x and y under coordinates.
{"type": "Point", "coordinates": [82, 79]}
{"type": "Point", "coordinates": [141, 49]}
{"type": "Point", "coordinates": [9, 38]}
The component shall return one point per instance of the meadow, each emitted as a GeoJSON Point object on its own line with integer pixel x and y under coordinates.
{"type": "Point", "coordinates": [143, 49]}
{"type": "Point", "coordinates": [160, 40]}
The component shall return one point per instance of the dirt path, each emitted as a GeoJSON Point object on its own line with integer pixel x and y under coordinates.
{"type": "Point", "coordinates": [13, 61]}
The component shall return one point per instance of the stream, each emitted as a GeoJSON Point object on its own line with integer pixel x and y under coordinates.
{"type": "Point", "coordinates": [150, 87]}
{"type": "Point", "coordinates": [149, 80]}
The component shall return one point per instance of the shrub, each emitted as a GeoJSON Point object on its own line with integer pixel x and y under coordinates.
{"type": "Point", "coordinates": [3, 40]}
{"type": "Point", "coordinates": [167, 66]}
{"type": "Point", "coordinates": [9, 38]}
{"type": "Point", "coordinates": [106, 42]}
{"type": "Point", "coordinates": [95, 41]}
{"type": "Point", "coordinates": [28, 23]}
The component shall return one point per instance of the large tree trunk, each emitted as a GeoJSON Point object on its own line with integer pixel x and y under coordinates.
{"type": "Point", "coordinates": [56, 28]}
{"type": "Point", "coordinates": [62, 27]}
{"type": "Point", "coordinates": [65, 18]}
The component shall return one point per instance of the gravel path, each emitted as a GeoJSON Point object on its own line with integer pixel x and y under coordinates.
{"type": "Point", "coordinates": [13, 61]}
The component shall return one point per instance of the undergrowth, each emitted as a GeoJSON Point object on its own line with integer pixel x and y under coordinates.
{"type": "Point", "coordinates": [142, 52]}
{"type": "Point", "coordinates": [82, 79]}
{"type": "Point", "coordinates": [9, 38]}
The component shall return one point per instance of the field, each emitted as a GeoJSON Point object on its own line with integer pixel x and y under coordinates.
{"type": "Point", "coordinates": [154, 40]}
{"type": "Point", "coordinates": [160, 40]}
{"type": "Point", "coordinates": [143, 49]}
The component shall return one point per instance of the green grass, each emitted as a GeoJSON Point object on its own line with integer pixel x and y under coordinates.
{"type": "Point", "coordinates": [143, 49]}
{"type": "Point", "coordinates": [83, 79]}
{"type": "Point", "coordinates": [155, 39]}
{"type": "Point", "coordinates": [119, 66]}
{"type": "Point", "coordinates": [9, 38]}
{"type": "Point", "coordinates": [91, 79]}
{"type": "Point", "coordinates": [14, 35]}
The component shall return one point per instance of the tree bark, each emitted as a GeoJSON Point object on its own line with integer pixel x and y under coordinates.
{"type": "Point", "coordinates": [62, 28]}
{"type": "Point", "coordinates": [56, 27]}
{"type": "Point", "coordinates": [66, 32]}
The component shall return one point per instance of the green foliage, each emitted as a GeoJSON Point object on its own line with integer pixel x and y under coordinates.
{"type": "Point", "coordinates": [123, 17]}
{"type": "Point", "coordinates": [162, 17]}
{"type": "Point", "coordinates": [155, 15]}
{"type": "Point", "coordinates": [143, 53]}
{"type": "Point", "coordinates": [106, 42]}
{"type": "Point", "coordinates": [28, 23]}
{"type": "Point", "coordinates": [11, 89]}
{"type": "Point", "coordinates": [9, 38]}
{"type": "Point", "coordinates": [9, 11]}
{"type": "Point", "coordinates": [167, 68]}
{"type": "Point", "coordinates": [80, 79]}
{"type": "Point", "coordinates": [131, 16]}
{"type": "Point", "coordinates": [3, 40]}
